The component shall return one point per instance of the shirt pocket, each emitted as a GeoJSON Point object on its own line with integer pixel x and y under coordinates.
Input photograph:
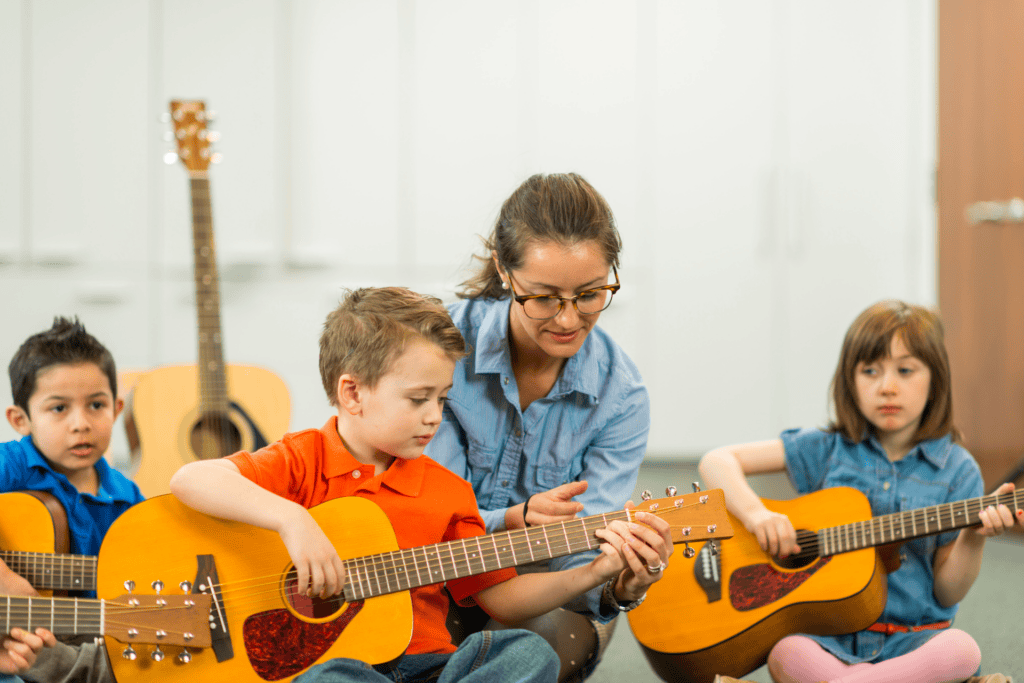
{"type": "Point", "coordinates": [562, 443]}
{"type": "Point", "coordinates": [482, 458]}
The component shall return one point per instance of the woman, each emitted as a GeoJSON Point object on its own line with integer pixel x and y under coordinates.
{"type": "Point", "coordinates": [548, 418]}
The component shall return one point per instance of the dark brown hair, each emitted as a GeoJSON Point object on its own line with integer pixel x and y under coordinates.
{"type": "Point", "coordinates": [869, 339]}
{"type": "Point", "coordinates": [370, 328]}
{"type": "Point", "coordinates": [560, 207]}
{"type": "Point", "coordinates": [65, 343]}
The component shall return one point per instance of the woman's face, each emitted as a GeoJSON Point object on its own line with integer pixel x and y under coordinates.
{"type": "Point", "coordinates": [562, 270]}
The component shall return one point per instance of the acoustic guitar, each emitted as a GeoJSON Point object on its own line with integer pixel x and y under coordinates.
{"type": "Point", "coordinates": [176, 415]}
{"type": "Point", "coordinates": [263, 631]}
{"type": "Point", "coordinates": [723, 613]}
{"type": "Point", "coordinates": [34, 543]}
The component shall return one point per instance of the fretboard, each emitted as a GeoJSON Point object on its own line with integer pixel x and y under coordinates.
{"type": "Point", "coordinates": [62, 616]}
{"type": "Point", "coordinates": [47, 571]}
{"type": "Point", "coordinates": [904, 526]}
{"type": "Point", "coordinates": [401, 570]}
{"type": "Point", "coordinates": [213, 394]}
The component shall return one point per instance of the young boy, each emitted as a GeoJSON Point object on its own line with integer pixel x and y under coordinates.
{"type": "Point", "coordinates": [386, 361]}
{"type": "Point", "coordinates": [64, 386]}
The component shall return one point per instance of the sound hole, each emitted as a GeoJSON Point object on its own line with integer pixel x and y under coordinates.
{"type": "Point", "coordinates": [808, 551]}
{"type": "Point", "coordinates": [214, 435]}
{"type": "Point", "coordinates": [311, 608]}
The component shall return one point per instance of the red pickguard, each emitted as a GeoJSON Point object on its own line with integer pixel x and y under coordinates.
{"type": "Point", "coordinates": [279, 645]}
{"type": "Point", "coordinates": [757, 585]}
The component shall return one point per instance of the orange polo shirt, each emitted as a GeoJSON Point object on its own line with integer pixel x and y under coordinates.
{"type": "Point", "coordinates": [425, 502]}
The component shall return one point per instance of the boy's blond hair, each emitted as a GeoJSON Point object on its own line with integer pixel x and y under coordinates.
{"type": "Point", "coordinates": [370, 329]}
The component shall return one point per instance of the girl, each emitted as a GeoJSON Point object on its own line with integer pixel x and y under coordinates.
{"type": "Point", "coordinates": [893, 438]}
{"type": "Point", "coordinates": [548, 417]}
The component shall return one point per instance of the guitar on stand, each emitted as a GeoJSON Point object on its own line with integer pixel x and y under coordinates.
{"type": "Point", "coordinates": [179, 414]}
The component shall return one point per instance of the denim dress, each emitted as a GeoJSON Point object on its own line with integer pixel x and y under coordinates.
{"type": "Point", "coordinates": [932, 473]}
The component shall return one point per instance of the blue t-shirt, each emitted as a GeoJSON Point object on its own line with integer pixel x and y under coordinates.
{"type": "Point", "coordinates": [934, 472]}
{"type": "Point", "coordinates": [22, 467]}
{"type": "Point", "coordinates": [592, 425]}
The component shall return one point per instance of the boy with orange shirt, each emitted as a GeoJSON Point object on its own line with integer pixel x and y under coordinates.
{"type": "Point", "coordinates": [386, 361]}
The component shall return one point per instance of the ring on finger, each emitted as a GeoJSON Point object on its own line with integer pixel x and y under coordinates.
{"type": "Point", "coordinates": [656, 569]}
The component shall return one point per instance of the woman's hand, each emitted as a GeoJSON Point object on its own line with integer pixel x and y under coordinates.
{"type": "Point", "coordinates": [556, 505]}
{"type": "Point", "coordinates": [997, 519]}
{"type": "Point", "coordinates": [319, 570]}
{"type": "Point", "coordinates": [774, 532]}
{"type": "Point", "coordinates": [643, 549]}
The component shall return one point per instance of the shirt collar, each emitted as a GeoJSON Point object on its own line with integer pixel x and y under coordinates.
{"type": "Point", "coordinates": [109, 486]}
{"type": "Point", "coordinates": [580, 373]}
{"type": "Point", "coordinates": [933, 451]}
{"type": "Point", "coordinates": [403, 476]}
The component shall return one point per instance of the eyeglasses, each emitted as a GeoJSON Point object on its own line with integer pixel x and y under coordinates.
{"type": "Point", "coordinates": [546, 306]}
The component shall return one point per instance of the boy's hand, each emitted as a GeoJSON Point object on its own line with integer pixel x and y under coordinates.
{"type": "Point", "coordinates": [642, 549]}
{"type": "Point", "coordinates": [317, 565]}
{"type": "Point", "coordinates": [997, 519]}
{"type": "Point", "coordinates": [20, 648]}
{"type": "Point", "coordinates": [774, 532]}
{"type": "Point", "coordinates": [555, 505]}
{"type": "Point", "coordinates": [12, 583]}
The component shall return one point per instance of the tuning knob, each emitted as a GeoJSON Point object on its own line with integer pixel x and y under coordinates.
{"type": "Point", "coordinates": [184, 656]}
{"type": "Point", "coordinates": [688, 551]}
{"type": "Point", "coordinates": [670, 491]}
{"type": "Point", "coordinates": [157, 655]}
{"type": "Point", "coordinates": [696, 486]}
{"type": "Point", "coordinates": [130, 654]}
{"type": "Point", "coordinates": [646, 495]}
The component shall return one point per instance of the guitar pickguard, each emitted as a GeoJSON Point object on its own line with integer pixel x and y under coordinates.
{"type": "Point", "coordinates": [279, 645]}
{"type": "Point", "coordinates": [757, 585]}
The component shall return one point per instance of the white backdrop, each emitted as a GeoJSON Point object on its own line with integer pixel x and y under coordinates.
{"type": "Point", "coordinates": [770, 164]}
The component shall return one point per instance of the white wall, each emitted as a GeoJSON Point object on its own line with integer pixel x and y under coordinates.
{"type": "Point", "coordinates": [770, 165]}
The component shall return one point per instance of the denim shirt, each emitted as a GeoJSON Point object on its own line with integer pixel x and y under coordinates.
{"type": "Point", "coordinates": [591, 426]}
{"type": "Point", "coordinates": [932, 473]}
{"type": "Point", "coordinates": [23, 467]}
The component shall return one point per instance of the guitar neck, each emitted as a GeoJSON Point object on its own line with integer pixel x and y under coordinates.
{"type": "Point", "coordinates": [904, 526]}
{"type": "Point", "coordinates": [213, 394]}
{"type": "Point", "coordinates": [62, 616]}
{"type": "Point", "coordinates": [400, 570]}
{"type": "Point", "coordinates": [47, 571]}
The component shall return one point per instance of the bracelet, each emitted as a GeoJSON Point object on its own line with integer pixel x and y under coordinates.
{"type": "Point", "coordinates": [526, 506]}
{"type": "Point", "coordinates": [608, 596]}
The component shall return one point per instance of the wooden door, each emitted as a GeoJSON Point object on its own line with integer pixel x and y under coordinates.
{"type": "Point", "coordinates": [981, 262]}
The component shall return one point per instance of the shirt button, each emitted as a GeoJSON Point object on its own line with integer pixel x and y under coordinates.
{"type": "Point", "coordinates": [506, 380]}
{"type": "Point", "coordinates": [505, 483]}
{"type": "Point", "coordinates": [517, 432]}
{"type": "Point", "coordinates": [356, 474]}
{"type": "Point", "coordinates": [874, 652]}
{"type": "Point", "coordinates": [885, 486]}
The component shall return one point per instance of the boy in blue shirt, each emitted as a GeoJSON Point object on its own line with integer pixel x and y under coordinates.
{"type": "Point", "coordinates": [64, 385]}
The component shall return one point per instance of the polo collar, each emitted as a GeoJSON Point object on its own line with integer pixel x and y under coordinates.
{"type": "Point", "coordinates": [107, 484]}
{"type": "Point", "coordinates": [403, 476]}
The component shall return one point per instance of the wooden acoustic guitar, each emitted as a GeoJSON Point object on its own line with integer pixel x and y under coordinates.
{"type": "Point", "coordinates": [723, 613]}
{"type": "Point", "coordinates": [179, 414]}
{"type": "Point", "coordinates": [34, 542]}
{"type": "Point", "coordinates": [265, 632]}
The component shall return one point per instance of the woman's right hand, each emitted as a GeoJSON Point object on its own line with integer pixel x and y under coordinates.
{"type": "Point", "coordinates": [319, 570]}
{"type": "Point", "coordinates": [774, 532]}
{"type": "Point", "coordinates": [555, 505]}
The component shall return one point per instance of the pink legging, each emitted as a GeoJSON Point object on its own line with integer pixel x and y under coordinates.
{"type": "Point", "coordinates": [952, 655]}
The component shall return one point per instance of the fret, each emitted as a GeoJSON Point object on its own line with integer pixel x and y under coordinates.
{"type": "Point", "coordinates": [8, 629]}
{"type": "Point", "coordinates": [419, 581]}
{"type": "Point", "coordinates": [76, 615]}
{"type": "Point", "coordinates": [529, 545]}
{"type": "Point", "coordinates": [52, 603]}
{"type": "Point", "coordinates": [455, 568]}
{"type": "Point", "coordinates": [938, 516]}
{"type": "Point", "coordinates": [547, 541]}
{"type": "Point", "coordinates": [903, 529]}
{"type": "Point", "coordinates": [29, 626]}
{"type": "Point", "coordinates": [568, 545]}
{"type": "Point", "coordinates": [440, 566]}
{"type": "Point", "coordinates": [967, 514]}
{"type": "Point", "coordinates": [925, 513]}
{"type": "Point", "coordinates": [497, 553]}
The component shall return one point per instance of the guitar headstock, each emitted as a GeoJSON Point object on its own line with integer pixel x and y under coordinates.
{"type": "Point", "coordinates": [160, 620]}
{"type": "Point", "coordinates": [189, 118]}
{"type": "Point", "coordinates": [693, 517]}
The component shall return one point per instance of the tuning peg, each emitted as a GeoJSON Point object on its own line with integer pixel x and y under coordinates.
{"type": "Point", "coordinates": [129, 653]}
{"type": "Point", "coordinates": [213, 135]}
{"type": "Point", "coordinates": [185, 586]}
{"type": "Point", "coordinates": [645, 495]}
{"type": "Point", "coordinates": [157, 655]}
{"type": "Point", "coordinates": [688, 551]}
{"type": "Point", "coordinates": [696, 487]}
{"type": "Point", "coordinates": [158, 585]}
{"type": "Point", "coordinates": [216, 158]}
{"type": "Point", "coordinates": [670, 491]}
{"type": "Point", "coordinates": [170, 158]}
{"type": "Point", "coordinates": [165, 118]}
{"type": "Point", "coordinates": [211, 115]}
{"type": "Point", "coordinates": [185, 656]}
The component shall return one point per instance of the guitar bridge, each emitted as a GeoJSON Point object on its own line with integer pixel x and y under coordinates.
{"type": "Point", "coordinates": [707, 570]}
{"type": "Point", "coordinates": [208, 582]}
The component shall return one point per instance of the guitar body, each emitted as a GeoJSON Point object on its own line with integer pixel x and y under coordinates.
{"type": "Point", "coordinates": [692, 627]}
{"type": "Point", "coordinates": [32, 522]}
{"type": "Point", "coordinates": [160, 539]}
{"type": "Point", "coordinates": [167, 430]}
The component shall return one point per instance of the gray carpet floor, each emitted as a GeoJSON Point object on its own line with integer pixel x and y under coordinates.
{"type": "Point", "coordinates": [992, 612]}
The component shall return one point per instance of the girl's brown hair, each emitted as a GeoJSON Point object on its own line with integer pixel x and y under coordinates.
{"type": "Point", "coordinates": [370, 329]}
{"type": "Point", "coordinates": [869, 339]}
{"type": "Point", "coordinates": [560, 207]}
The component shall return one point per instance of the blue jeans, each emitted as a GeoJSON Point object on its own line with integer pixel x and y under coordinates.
{"type": "Point", "coordinates": [514, 655]}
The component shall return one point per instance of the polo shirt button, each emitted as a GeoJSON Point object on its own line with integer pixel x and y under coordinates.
{"type": "Point", "coordinates": [885, 486]}
{"type": "Point", "coordinates": [356, 474]}
{"type": "Point", "coordinates": [874, 652]}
